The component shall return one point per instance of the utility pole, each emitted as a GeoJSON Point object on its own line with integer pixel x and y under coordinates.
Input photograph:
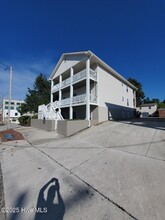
{"type": "Point", "coordinates": [2, 108]}
{"type": "Point", "coordinates": [10, 85]}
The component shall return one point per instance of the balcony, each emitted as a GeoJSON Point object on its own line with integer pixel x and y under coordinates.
{"type": "Point", "coordinates": [65, 82]}
{"type": "Point", "coordinates": [93, 74]}
{"type": "Point", "coordinates": [56, 87]}
{"type": "Point", "coordinates": [77, 100]}
{"type": "Point", "coordinates": [65, 102]}
{"type": "Point", "coordinates": [77, 77]}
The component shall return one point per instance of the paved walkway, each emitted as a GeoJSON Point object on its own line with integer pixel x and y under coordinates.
{"type": "Point", "coordinates": [108, 172]}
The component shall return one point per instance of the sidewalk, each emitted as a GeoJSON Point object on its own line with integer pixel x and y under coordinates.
{"type": "Point", "coordinates": [81, 177]}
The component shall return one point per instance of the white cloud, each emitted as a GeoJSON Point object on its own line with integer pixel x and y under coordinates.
{"type": "Point", "coordinates": [24, 74]}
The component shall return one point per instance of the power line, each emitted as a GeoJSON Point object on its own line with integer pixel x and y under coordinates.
{"type": "Point", "coordinates": [5, 66]}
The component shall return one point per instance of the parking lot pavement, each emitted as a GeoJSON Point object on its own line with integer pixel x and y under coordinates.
{"type": "Point", "coordinates": [111, 171]}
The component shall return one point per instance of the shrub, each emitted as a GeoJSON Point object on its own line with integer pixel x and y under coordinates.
{"type": "Point", "coordinates": [35, 116]}
{"type": "Point", "coordinates": [24, 120]}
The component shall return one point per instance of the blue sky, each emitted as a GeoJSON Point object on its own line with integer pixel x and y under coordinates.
{"type": "Point", "coordinates": [129, 35]}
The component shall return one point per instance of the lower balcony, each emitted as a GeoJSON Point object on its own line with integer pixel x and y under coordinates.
{"type": "Point", "coordinates": [77, 100]}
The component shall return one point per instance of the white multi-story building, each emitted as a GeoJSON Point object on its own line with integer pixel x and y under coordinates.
{"type": "Point", "coordinates": [14, 107]}
{"type": "Point", "coordinates": [85, 87]}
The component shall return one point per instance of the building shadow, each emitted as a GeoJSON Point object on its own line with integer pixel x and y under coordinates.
{"type": "Point", "coordinates": [129, 116]}
{"type": "Point", "coordinates": [52, 207]}
{"type": "Point", "coordinates": [155, 123]}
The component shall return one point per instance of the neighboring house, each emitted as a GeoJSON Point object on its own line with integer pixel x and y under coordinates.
{"type": "Point", "coordinates": [162, 112]}
{"type": "Point", "coordinates": [147, 109]}
{"type": "Point", "coordinates": [84, 87]}
{"type": "Point", "coordinates": [14, 107]}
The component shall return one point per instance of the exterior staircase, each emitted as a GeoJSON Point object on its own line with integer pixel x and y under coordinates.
{"type": "Point", "coordinates": [50, 111]}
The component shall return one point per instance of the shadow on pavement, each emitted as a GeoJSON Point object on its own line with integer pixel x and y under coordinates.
{"type": "Point", "coordinates": [21, 200]}
{"type": "Point", "coordinates": [50, 205]}
{"type": "Point", "coordinates": [147, 122]}
{"type": "Point", "coordinates": [48, 208]}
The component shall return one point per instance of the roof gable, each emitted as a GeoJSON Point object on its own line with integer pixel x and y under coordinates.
{"type": "Point", "coordinates": [66, 62]}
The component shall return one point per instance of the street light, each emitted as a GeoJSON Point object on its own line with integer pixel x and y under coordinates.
{"type": "Point", "coordinates": [10, 86]}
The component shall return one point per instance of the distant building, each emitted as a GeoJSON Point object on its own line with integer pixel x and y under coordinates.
{"type": "Point", "coordinates": [162, 112]}
{"type": "Point", "coordinates": [14, 107]}
{"type": "Point", "coordinates": [147, 109]}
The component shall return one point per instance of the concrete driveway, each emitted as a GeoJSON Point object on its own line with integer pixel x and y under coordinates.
{"type": "Point", "coordinates": [108, 172]}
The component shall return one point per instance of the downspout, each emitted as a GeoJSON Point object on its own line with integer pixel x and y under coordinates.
{"type": "Point", "coordinates": [89, 122]}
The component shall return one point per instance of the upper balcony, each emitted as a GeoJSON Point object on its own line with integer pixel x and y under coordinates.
{"type": "Point", "coordinates": [74, 79]}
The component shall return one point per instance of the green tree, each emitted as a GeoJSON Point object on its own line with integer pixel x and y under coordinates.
{"type": "Point", "coordinates": [161, 105]}
{"type": "Point", "coordinates": [139, 93]}
{"type": "Point", "coordinates": [155, 100]}
{"type": "Point", "coordinates": [40, 94]}
{"type": "Point", "coordinates": [147, 100]}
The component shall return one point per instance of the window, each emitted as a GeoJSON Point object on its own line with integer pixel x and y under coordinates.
{"type": "Point", "coordinates": [126, 88]}
{"type": "Point", "coordinates": [149, 107]}
{"type": "Point", "coordinates": [12, 103]}
{"type": "Point", "coordinates": [127, 102]}
{"type": "Point", "coordinates": [16, 114]}
{"type": "Point", "coordinates": [6, 107]}
{"type": "Point", "coordinates": [18, 103]}
{"type": "Point", "coordinates": [12, 107]}
{"type": "Point", "coordinates": [17, 108]}
{"type": "Point", "coordinates": [6, 103]}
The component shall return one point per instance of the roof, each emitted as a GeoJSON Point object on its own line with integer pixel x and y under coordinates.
{"type": "Point", "coordinates": [148, 104]}
{"type": "Point", "coordinates": [99, 61]}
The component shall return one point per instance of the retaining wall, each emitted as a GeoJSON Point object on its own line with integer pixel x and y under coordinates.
{"type": "Point", "coordinates": [70, 127]}
{"type": "Point", "coordinates": [47, 125]}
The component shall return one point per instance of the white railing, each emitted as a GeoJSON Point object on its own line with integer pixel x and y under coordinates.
{"type": "Point", "coordinates": [93, 98]}
{"type": "Point", "coordinates": [56, 87]}
{"type": "Point", "coordinates": [80, 75]}
{"type": "Point", "coordinates": [93, 74]}
{"type": "Point", "coordinates": [50, 111]}
{"type": "Point", "coordinates": [65, 82]}
{"type": "Point", "coordinates": [65, 102]}
{"type": "Point", "coordinates": [76, 77]}
{"type": "Point", "coordinates": [79, 99]}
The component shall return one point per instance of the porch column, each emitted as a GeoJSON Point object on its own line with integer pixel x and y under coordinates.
{"type": "Point", "coordinates": [88, 89]}
{"type": "Point", "coordinates": [51, 93]}
{"type": "Point", "coordinates": [71, 94]}
{"type": "Point", "coordinates": [60, 93]}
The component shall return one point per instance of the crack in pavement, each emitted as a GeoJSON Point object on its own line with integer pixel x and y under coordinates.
{"type": "Point", "coordinates": [136, 154]}
{"type": "Point", "coordinates": [116, 148]}
{"type": "Point", "coordinates": [151, 142]}
{"type": "Point", "coordinates": [89, 159]}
